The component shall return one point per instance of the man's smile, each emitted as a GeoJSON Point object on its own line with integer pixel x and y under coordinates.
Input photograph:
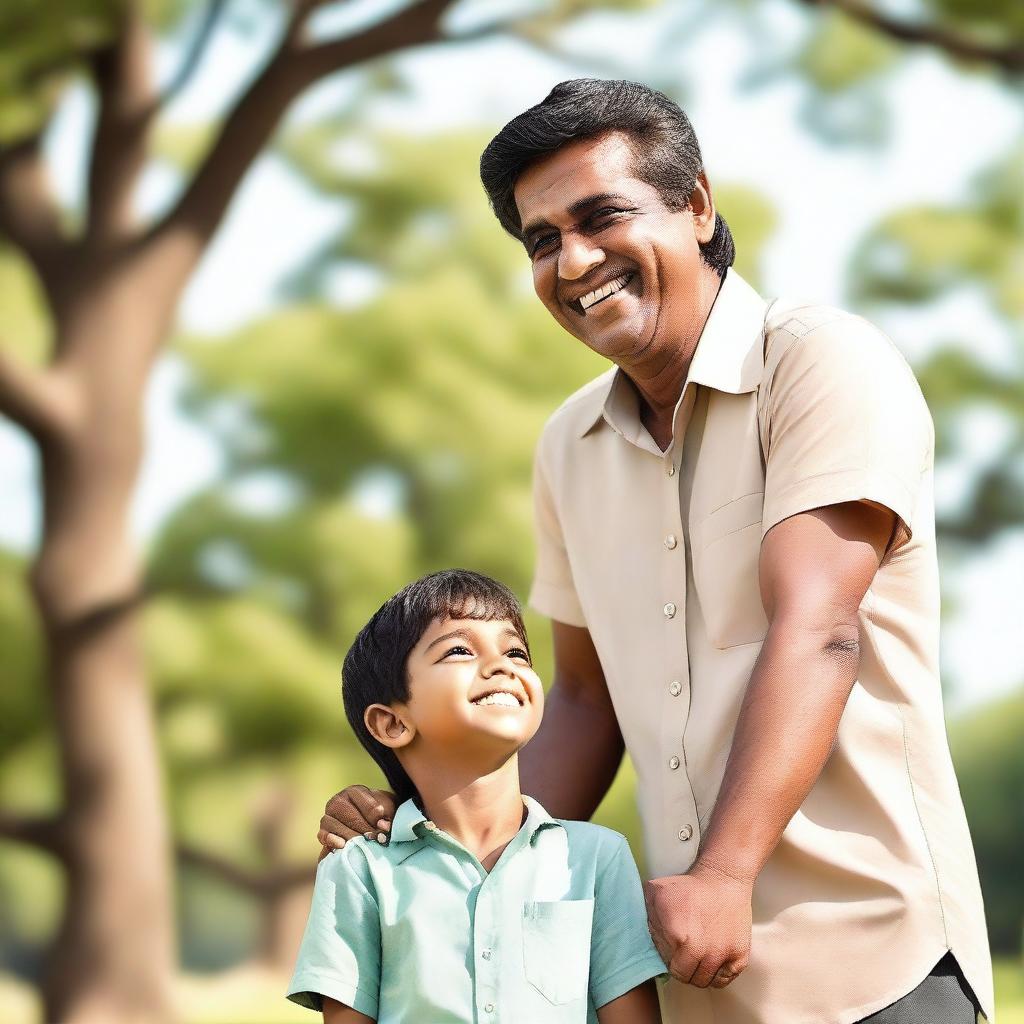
{"type": "Point", "coordinates": [586, 302]}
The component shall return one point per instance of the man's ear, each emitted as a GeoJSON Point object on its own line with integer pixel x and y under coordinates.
{"type": "Point", "coordinates": [702, 204]}
{"type": "Point", "coordinates": [387, 726]}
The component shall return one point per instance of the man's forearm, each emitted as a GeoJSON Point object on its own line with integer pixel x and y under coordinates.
{"type": "Point", "coordinates": [571, 761]}
{"type": "Point", "coordinates": [785, 732]}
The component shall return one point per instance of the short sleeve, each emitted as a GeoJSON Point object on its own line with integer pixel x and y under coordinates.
{"type": "Point", "coordinates": [340, 951]}
{"type": "Point", "coordinates": [553, 592]}
{"type": "Point", "coordinates": [622, 952]}
{"type": "Point", "coordinates": [844, 420]}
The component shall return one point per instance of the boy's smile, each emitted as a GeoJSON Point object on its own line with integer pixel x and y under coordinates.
{"type": "Point", "coordinates": [472, 689]}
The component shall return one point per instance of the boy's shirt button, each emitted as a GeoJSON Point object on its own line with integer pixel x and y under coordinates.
{"type": "Point", "coordinates": [489, 1008]}
{"type": "Point", "coordinates": [486, 954]}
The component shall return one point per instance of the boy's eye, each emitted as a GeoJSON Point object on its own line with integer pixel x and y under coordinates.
{"type": "Point", "coordinates": [518, 652]}
{"type": "Point", "coordinates": [457, 649]}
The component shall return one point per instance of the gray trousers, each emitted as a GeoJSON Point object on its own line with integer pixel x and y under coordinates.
{"type": "Point", "coordinates": [944, 997]}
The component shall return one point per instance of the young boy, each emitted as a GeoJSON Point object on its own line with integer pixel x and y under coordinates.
{"type": "Point", "coordinates": [481, 908]}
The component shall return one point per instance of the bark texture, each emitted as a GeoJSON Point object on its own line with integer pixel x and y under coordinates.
{"type": "Point", "coordinates": [112, 292]}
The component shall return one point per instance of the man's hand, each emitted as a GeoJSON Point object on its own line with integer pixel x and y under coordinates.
{"type": "Point", "coordinates": [701, 925]}
{"type": "Point", "coordinates": [355, 811]}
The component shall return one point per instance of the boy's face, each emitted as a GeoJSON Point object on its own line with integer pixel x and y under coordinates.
{"type": "Point", "coordinates": [472, 690]}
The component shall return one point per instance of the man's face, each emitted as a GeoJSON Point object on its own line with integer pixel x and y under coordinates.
{"type": "Point", "coordinates": [591, 228]}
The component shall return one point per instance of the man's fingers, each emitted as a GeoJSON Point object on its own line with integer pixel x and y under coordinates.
{"type": "Point", "coordinates": [330, 826]}
{"type": "Point", "coordinates": [728, 973]}
{"type": "Point", "coordinates": [370, 805]}
{"type": "Point", "coordinates": [361, 809]}
{"type": "Point", "coordinates": [683, 965]}
{"type": "Point", "coordinates": [707, 970]}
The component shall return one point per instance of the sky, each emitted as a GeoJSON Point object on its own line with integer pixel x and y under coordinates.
{"type": "Point", "coordinates": [826, 196]}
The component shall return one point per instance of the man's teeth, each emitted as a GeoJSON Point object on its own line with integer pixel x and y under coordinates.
{"type": "Point", "coordinates": [598, 294]}
{"type": "Point", "coordinates": [507, 700]}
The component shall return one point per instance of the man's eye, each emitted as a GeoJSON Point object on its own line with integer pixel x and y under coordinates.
{"type": "Point", "coordinates": [604, 214]}
{"type": "Point", "coordinates": [542, 243]}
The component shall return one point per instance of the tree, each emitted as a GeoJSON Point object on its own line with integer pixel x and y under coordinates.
{"type": "Point", "coordinates": [110, 287]}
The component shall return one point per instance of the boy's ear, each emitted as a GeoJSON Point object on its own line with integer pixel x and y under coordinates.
{"type": "Point", "coordinates": [387, 726]}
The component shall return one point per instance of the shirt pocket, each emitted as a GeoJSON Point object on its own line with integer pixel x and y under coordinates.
{"type": "Point", "coordinates": [556, 947]}
{"type": "Point", "coordinates": [726, 546]}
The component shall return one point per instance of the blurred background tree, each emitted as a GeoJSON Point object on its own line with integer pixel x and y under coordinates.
{"type": "Point", "coordinates": [361, 444]}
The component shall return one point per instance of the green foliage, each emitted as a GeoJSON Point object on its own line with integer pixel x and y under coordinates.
{"type": "Point", "coordinates": [989, 758]}
{"type": "Point", "coordinates": [841, 53]}
{"type": "Point", "coordinates": [46, 43]}
{"type": "Point", "coordinates": [921, 253]}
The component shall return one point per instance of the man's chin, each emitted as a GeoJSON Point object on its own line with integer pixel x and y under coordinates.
{"type": "Point", "coordinates": [614, 345]}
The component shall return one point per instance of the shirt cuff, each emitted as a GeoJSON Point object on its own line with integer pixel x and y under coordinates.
{"type": "Point", "coordinates": [636, 972]}
{"type": "Point", "coordinates": [558, 603]}
{"type": "Point", "coordinates": [308, 988]}
{"type": "Point", "coordinates": [835, 488]}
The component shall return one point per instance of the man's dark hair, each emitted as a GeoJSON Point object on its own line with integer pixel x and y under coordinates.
{"type": "Point", "coordinates": [375, 669]}
{"type": "Point", "coordinates": [665, 149]}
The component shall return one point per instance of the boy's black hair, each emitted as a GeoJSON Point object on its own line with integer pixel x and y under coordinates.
{"type": "Point", "coordinates": [375, 668]}
{"type": "Point", "coordinates": [665, 149]}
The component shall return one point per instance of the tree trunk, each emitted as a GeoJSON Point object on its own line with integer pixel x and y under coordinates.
{"type": "Point", "coordinates": [112, 960]}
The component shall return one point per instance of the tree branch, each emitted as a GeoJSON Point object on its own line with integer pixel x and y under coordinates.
{"type": "Point", "coordinates": [45, 833]}
{"type": "Point", "coordinates": [195, 53]}
{"type": "Point", "coordinates": [262, 884]}
{"type": "Point", "coordinates": [191, 223]}
{"type": "Point", "coordinates": [1008, 58]}
{"type": "Point", "coordinates": [29, 215]}
{"type": "Point", "coordinates": [37, 400]}
{"type": "Point", "coordinates": [123, 76]}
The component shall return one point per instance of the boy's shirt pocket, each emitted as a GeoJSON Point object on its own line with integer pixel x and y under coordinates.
{"type": "Point", "coordinates": [556, 948]}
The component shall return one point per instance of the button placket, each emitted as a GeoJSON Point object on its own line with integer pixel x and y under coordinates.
{"type": "Point", "coordinates": [678, 802]}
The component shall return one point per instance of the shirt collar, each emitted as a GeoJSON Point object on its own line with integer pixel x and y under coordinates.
{"type": "Point", "coordinates": [729, 357]}
{"type": "Point", "coordinates": [410, 824]}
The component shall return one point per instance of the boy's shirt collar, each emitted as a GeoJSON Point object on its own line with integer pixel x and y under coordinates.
{"type": "Point", "coordinates": [411, 825]}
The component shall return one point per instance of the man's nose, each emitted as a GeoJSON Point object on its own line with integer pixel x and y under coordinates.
{"type": "Point", "coordinates": [577, 257]}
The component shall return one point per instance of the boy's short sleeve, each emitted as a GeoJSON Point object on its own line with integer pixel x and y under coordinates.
{"type": "Point", "coordinates": [843, 419]}
{"type": "Point", "coordinates": [553, 592]}
{"type": "Point", "coordinates": [340, 951]}
{"type": "Point", "coordinates": [622, 952]}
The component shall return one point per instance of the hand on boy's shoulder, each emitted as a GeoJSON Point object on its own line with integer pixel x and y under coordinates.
{"type": "Point", "coordinates": [355, 811]}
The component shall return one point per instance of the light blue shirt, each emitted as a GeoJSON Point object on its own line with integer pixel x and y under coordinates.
{"type": "Point", "coordinates": [418, 932]}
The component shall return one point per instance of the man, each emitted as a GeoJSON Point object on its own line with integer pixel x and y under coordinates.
{"type": "Point", "coordinates": [735, 533]}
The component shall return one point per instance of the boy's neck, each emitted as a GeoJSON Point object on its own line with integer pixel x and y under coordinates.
{"type": "Point", "coordinates": [483, 813]}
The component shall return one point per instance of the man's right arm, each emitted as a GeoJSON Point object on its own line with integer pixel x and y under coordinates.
{"type": "Point", "coordinates": [571, 762]}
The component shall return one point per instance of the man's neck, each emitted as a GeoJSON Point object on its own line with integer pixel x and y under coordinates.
{"type": "Point", "coordinates": [660, 379]}
{"type": "Point", "coordinates": [483, 813]}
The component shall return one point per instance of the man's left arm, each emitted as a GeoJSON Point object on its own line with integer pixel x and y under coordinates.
{"type": "Point", "coordinates": [815, 568]}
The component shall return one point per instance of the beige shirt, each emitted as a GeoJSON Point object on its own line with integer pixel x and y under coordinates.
{"type": "Point", "coordinates": [656, 553]}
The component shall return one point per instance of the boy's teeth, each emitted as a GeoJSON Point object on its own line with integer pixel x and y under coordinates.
{"type": "Point", "coordinates": [505, 699]}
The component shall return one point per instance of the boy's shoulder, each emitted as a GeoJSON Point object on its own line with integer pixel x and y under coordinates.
{"type": "Point", "coordinates": [586, 838]}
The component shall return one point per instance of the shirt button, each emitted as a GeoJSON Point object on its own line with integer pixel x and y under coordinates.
{"type": "Point", "coordinates": [489, 1008]}
{"type": "Point", "coordinates": [669, 610]}
{"type": "Point", "coordinates": [685, 832]}
{"type": "Point", "coordinates": [673, 763]}
{"type": "Point", "coordinates": [675, 688]}
{"type": "Point", "coordinates": [670, 469]}
{"type": "Point", "coordinates": [671, 542]}
{"type": "Point", "coordinates": [486, 954]}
